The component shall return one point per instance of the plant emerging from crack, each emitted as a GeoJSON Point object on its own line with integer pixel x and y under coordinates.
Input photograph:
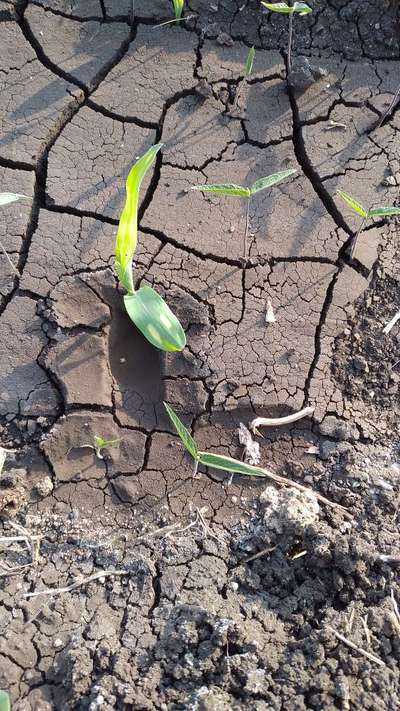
{"type": "Point", "coordinates": [178, 8]}
{"type": "Point", "coordinates": [232, 190]}
{"type": "Point", "coordinates": [298, 8]}
{"type": "Point", "coordinates": [366, 215]}
{"type": "Point", "coordinates": [145, 307]}
{"type": "Point", "coordinates": [248, 68]}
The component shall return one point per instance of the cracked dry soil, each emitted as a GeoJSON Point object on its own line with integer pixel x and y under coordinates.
{"type": "Point", "coordinates": [229, 592]}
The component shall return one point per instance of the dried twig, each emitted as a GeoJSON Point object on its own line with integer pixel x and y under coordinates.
{"type": "Point", "coordinates": [366, 630]}
{"type": "Point", "coordinates": [78, 583]}
{"type": "Point", "coordinates": [395, 559]}
{"type": "Point", "coordinates": [257, 555]}
{"type": "Point", "coordinates": [32, 542]}
{"type": "Point", "coordinates": [396, 616]}
{"type": "Point", "coordinates": [354, 646]}
{"type": "Point", "coordinates": [391, 323]}
{"type": "Point", "coordinates": [349, 624]}
{"type": "Point", "coordinates": [279, 421]}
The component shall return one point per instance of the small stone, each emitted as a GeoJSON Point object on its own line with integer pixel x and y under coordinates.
{"type": "Point", "coordinates": [225, 40]}
{"type": "Point", "coordinates": [44, 487]}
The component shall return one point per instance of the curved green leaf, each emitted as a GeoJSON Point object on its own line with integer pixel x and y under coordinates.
{"type": "Point", "coordinates": [281, 7]}
{"type": "Point", "coordinates": [178, 8]}
{"type": "Point", "coordinates": [184, 434]}
{"type": "Point", "coordinates": [353, 204]}
{"type": "Point", "coordinates": [302, 8]}
{"type": "Point", "coordinates": [155, 320]}
{"type": "Point", "coordinates": [7, 198]}
{"type": "Point", "coordinates": [384, 211]}
{"type": "Point", "coordinates": [264, 183]}
{"type": "Point", "coordinates": [126, 241]}
{"type": "Point", "coordinates": [4, 701]}
{"type": "Point", "coordinates": [224, 189]}
{"type": "Point", "coordinates": [249, 62]}
{"type": "Point", "coordinates": [228, 464]}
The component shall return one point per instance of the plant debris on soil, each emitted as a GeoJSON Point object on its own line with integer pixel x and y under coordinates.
{"type": "Point", "coordinates": [125, 581]}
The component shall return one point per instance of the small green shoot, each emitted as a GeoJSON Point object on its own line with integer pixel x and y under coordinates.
{"type": "Point", "coordinates": [233, 190]}
{"type": "Point", "coordinates": [7, 199]}
{"type": "Point", "coordinates": [178, 8]}
{"type": "Point", "coordinates": [248, 68]}
{"type": "Point", "coordinates": [148, 311]}
{"type": "Point", "coordinates": [4, 701]}
{"type": "Point", "coordinates": [298, 8]}
{"type": "Point", "coordinates": [100, 443]}
{"type": "Point", "coordinates": [214, 461]}
{"type": "Point", "coordinates": [365, 215]}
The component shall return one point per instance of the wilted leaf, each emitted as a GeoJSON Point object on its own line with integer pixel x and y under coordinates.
{"type": "Point", "coordinates": [384, 211]}
{"type": "Point", "coordinates": [264, 183]}
{"type": "Point", "coordinates": [7, 198]}
{"type": "Point", "coordinates": [249, 62]}
{"type": "Point", "coordinates": [128, 224]}
{"type": "Point", "coordinates": [186, 438]}
{"type": "Point", "coordinates": [224, 189]}
{"type": "Point", "coordinates": [353, 204]}
{"type": "Point", "coordinates": [4, 701]}
{"type": "Point", "coordinates": [155, 320]}
{"type": "Point", "coordinates": [228, 464]}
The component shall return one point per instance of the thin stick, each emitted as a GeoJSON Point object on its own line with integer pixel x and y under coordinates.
{"type": "Point", "coordinates": [351, 644]}
{"type": "Point", "coordinates": [77, 584]}
{"type": "Point", "coordinates": [355, 239]}
{"type": "Point", "coordinates": [391, 323]}
{"type": "Point", "coordinates": [389, 109]}
{"type": "Point", "coordinates": [289, 59]}
{"type": "Point", "coordinates": [247, 229]}
{"type": "Point", "coordinates": [366, 630]}
{"type": "Point", "coordinates": [279, 421]}
{"type": "Point", "coordinates": [257, 555]}
{"type": "Point", "coordinates": [13, 267]}
{"type": "Point", "coordinates": [395, 559]}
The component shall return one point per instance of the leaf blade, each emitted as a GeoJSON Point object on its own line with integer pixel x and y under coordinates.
{"type": "Point", "coordinates": [249, 62]}
{"type": "Point", "coordinates": [384, 211]}
{"type": "Point", "coordinates": [229, 189]}
{"type": "Point", "coordinates": [301, 8]}
{"type": "Point", "coordinates": [281, 7]}
{"type": "Point", "coordinates": [353, 204]}
{"type": "Point", "coordinates": [126, 240]}
{"type": "Point", "coordinates": [270, 180]}
{"type": "Point", "coordinates": [178, 8]}
{"type": "Point", "coordinates": [4, 701]}
{"type": "Point", "coordinates": [8, 198]}
{"type": "Point", "coordinates": [153, 317]}
{"type": "Point", "coordinates": [184, 434]}
{"type": "Point", "coordinates": [219, 461]}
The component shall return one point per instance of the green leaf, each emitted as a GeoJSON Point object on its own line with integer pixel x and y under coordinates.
{"type": "Point", "coordinates": [4, 701]}
{"type": "Point", "coordinates": [218, 461]}
{"type": "Point", "coordinates": [249, 62]}
{"type": "Point", "coordinates": [126, 241]}
{"type": "Point", "coordinates": [384, 211]}
{"type": "Point", "coordinates": [264, 183]}
{"type": "Point", "coordinates": [7, 198]}
{"type": "Point", "coordinates": [101, 443]}
{"type": "Point", "coordinates": [155, 320]}
{"type": "Point", "coordinates": [184, 434]}
{"type": "Point", "coordinates": [178, 8]}
{"type": "Point", "coordinates": [224, 189]}
{"type": "Point", "coordinates": [281, 7]}
{"type": "Point", "coordinates": [353, 204]}
{"type": "Point", "coordinates": [301, 8]}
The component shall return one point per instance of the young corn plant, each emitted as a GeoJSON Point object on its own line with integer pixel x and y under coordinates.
{"type": "Point", "coordinates": [178, 8]}
{"type": "Point", "coordinates": [365, 215]}
{"type": "Point", "coordinates": [232, 190]}
{"type": "Point", "coordinates": [4, 701]}
{"type": "Point", "coordinates": [148, 311]}
{"type": "Point", "coordinates": [298, 8]}
{"type": "Point", "coordinates": [248, 68]}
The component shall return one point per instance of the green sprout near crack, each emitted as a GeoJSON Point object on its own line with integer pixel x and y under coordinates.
{"type": "Point", "coordinates": [248, 68]}
{"type": "Point", "coordinates": [365, 214]}
{"type": "Point", "coordinates": [178, 8]}
{"type": "Point", "coordinates": [232, 190]}
{"type": "Point", "coordinates": [4, 701]}
{"type": "Point", "coordinates": [298, 8]}
{"type": "Point", "coordinates": [145, 307]}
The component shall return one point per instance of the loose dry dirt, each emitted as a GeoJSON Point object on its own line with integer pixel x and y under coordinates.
{"type": "Point", "coordinates": [193, 618]}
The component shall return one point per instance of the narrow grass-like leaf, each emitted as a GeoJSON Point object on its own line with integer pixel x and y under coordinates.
{"type": "Point", "coordinates": [7, 198]}
{"type": "Point", "coordinates": [178, 8]}
{"type": "Point", "coordinates": [384, 211]}
{"type": "Point", "coordinates": [228, 464]}
{"type": "Point", "coordinates": [186, 438]}
{"type": "Point", "coordinates": [126, 241]}
{"type": "Point", "coordinates": [224, 189]}
{"type": "Point", "coordinates": [155, 320]}
{"type": "Point", "coordinates": [301, 8]}
{"type": "Point", "coordinates": [353, 204]}
{"type": "Point", "coordinates": [249, 62]}
{"type": "Point", "coordinates": [264, 183]}
{"type": "Point", "coordinates": [101, 443]}
{"type": "Point", "coordinates": [4, 701]}
{"type": "Point", "coordinates": [281, 7]}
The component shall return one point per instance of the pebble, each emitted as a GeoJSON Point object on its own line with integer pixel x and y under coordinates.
{"type": "Point", "coordinates": [225, 40]}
